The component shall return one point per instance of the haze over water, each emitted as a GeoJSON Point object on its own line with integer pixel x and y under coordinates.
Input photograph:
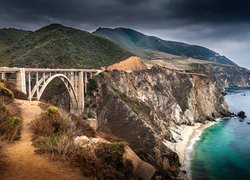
{"type": "Point", "coordinates": [223, 152]}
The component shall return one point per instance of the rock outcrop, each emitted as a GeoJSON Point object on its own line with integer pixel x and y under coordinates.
{"type": "Point", "coordinates": [142, 169]}
{"type": "Point", "coordinates": [140, 107]}
{"type": "Point", "coordinates": [227, 76]}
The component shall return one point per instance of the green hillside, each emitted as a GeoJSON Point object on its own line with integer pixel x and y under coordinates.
{"type": "Point", "coordinates": [150, 47]}
{"type": "Point", "coordinates": [57, 46]}
{"type": "Point", "coordinates": [10, 36]}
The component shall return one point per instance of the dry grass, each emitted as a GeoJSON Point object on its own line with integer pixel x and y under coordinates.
{"type": "Point", "coordinates": [49, 123]}
{"type": "Point", "coordinates": [54, 135]}
{"type": "Point", "coordinates": [16, 93]}
{"type": "Point", "coordinates": [80, 127]}
{"type": "Point", "coordinates": [10, 119]}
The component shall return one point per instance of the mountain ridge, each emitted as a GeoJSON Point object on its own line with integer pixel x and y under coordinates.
{"type": "Point", "coordinates": [151, 47]}
{"type": "Point", "coordinates": [9, 36]}
{"type": "Point", "coordinates": [59, 46]}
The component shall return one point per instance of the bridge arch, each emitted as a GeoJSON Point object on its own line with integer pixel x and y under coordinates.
{"type": "Point", "coordinates": [34, 81]}
{"type": "Point", "coordinates": [66, 82]}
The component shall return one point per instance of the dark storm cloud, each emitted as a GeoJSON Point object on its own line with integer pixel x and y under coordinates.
{"type": "Point", "coordinates": [214, 23]}
{"type": "Point", "coordinates": [145, 13]}
{"type": "Point", "coordinates": [222, 11]}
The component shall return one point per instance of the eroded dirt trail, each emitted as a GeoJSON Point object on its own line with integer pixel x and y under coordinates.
{"type": "Point", "coordinates": [22, 163]}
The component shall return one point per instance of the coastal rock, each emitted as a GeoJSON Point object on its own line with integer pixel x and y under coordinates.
{"type": "Point", "coordinates": [141, 107]}
{"type": "Point", "coordinates": [227, 76]}
{"type": "Point", "coordinates": [142, 169]}
{"type": "Point", "coordinates": [241, 114]}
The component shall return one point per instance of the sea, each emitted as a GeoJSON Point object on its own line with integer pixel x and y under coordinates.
{"type": "Point", "coordinates": [223, 150]}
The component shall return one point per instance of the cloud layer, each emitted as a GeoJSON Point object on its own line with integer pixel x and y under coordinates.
{"type": "Point", "coordinates": [214, 23]}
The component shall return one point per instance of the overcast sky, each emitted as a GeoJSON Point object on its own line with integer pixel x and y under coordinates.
{"type": "Point", "coordinates": [221, 25]}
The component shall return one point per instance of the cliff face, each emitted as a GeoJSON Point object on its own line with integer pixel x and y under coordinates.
{"type": "Point", "coordinates": [140, 107]}
{"type": "Point", "coordinates": [227, 76]}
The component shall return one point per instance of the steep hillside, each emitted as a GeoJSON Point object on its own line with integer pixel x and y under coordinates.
{"type": "Point", "coordinates": [62, 47]}
{"type": "Point", "coordinates": [145, 107]}
{"type": "Point", "coordinates": [225, 75]}
{"type": "Point", "coordinates": [150, 47]}
{"type": "Point", "coordinates": [130, 64]}
{"type": "Point", "coordinates": [10, 36]}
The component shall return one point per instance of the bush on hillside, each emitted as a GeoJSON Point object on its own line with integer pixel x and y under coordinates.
{"type": "Point", "coordinates": [55, 135]}
{"type": "Point", "coordinates": [10, 126]}
{"type": "Point", "coordinates": [16, 93]}
{"type": "Point", "coordinates": [81, 127]}
{"type": "Point", "coordinates": [92, 86]}
{"type": "Point", "coordinates": [4, 91]}
{"type": "Point", "coordinates": [56, 145]}
{"type": "Point", "coordinates": [49, 123]}
{"type": "Point", "coordinates": [101, 165]}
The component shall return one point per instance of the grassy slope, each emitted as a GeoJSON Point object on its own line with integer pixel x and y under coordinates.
{"type": "Point", "coordinates": [62, 47]}
{"type": "Point", "coordinates": [150, 47]}
{"type": "Point", "coordinates": [10, 36]}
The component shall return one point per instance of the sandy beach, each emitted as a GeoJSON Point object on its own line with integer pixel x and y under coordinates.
{"type": "Point", "coordinates": [187, 135]}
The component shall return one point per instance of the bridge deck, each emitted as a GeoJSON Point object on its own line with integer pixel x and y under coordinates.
{"type": "Point", "coordinates": [7, 69]}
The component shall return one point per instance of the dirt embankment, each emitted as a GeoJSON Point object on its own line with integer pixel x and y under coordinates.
{"type": "Point", "coordinates": [20, 159]}
{"type": "Point", "coordinates": [130, 64]}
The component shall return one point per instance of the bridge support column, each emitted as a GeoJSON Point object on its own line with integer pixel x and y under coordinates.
{"type": "Point", "coordinates": [29, 84]}
{"type": "Point", "coordinates": [21, 80]}
{"type": "Point", "coordinates": [80, 93]}
{"type": "Point", "coordinates": [3, 76]}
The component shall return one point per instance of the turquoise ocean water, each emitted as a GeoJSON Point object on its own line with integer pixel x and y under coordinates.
{"type": "Point", "coordinates": [223, 151]}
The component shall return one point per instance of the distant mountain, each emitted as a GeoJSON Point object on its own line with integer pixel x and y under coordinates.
{"type": "Point", "coordinates": [62, 47]}
{"type": "Point", "coordinates": [151, 47]}
{"type": "Point", "coordinates": [10, 36]}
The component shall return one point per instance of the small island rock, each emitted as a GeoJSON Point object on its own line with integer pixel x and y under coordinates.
{"type": "Point", "coordinates": [242, 114]}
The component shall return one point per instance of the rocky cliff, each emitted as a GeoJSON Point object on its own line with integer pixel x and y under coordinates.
{"type": "Point", "coordinates": [227, 76]}
{"type": "Point", "coordinates": [140, 107]}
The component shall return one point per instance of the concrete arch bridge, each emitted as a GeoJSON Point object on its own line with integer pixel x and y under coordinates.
{"type": "Point", "coordinates": [33, 82]}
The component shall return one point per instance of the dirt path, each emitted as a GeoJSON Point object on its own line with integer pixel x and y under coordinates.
{"type": "Point", "coordinates": [22, 163]}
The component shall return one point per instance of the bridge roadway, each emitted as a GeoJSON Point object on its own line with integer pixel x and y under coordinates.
{"type": "Point", "coordinates": [33, 82]}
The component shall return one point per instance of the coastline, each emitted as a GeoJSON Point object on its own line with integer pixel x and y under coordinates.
{"type": "Point", "coordinates": [188, 136]}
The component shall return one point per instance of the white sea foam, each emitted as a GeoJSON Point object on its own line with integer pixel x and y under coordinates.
{"type": "Point", "coordinates": [190, 151]}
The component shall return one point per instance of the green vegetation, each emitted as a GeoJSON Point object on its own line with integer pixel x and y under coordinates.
{"type": "Point", "coordinates": [10, 121]}
{"type": "Point", "coordinates": [10, 36]}
{"type": "Point", "coordinates": [92, 86]}
{"type": "Point", "coordinates": [111, 154]}
{"type": "Point", "coordinates": [150, 47]}
{"type": "Point", "coordinates": [56, 46]}
{"type": "Point", "coordinates": [137, 107]}
{"type": "Point", "coordinates": [5, 91]}
{"type": "Point", "coordinates": [49, 123]}
{"type": "Point", "coordinates": [55, 135]}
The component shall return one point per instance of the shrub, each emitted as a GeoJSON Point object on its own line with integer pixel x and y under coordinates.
{"type": "Point", "coordinates": [5, 91]}
{"type": "Point", "coordinates": [55, 137]}
{"type": "Point", "coordinates": [86, 160]}
{"type": "Point", "coordinates": [10, 126]}
{"type": "Point", "coordinates": [113, 165]}
{"type": "Point", "coordinates": [92, 86]}
{"type": "Point", "coordinates": [81, 127]}
{"type": "Point", "coordinates": [109, 172]}
{"type": "Point", "coordinates": [52, 110]}
{"type": "Point", "coordinates": [60, 145]}
{"type": "Point", "coordinates": [49, 123]}
{"type": "Point", "coordinates": [111, 154]}
{"type": "Point", "coordinates": [13, 121]}
{"type": "Point", "coordinates": [17, 94]}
